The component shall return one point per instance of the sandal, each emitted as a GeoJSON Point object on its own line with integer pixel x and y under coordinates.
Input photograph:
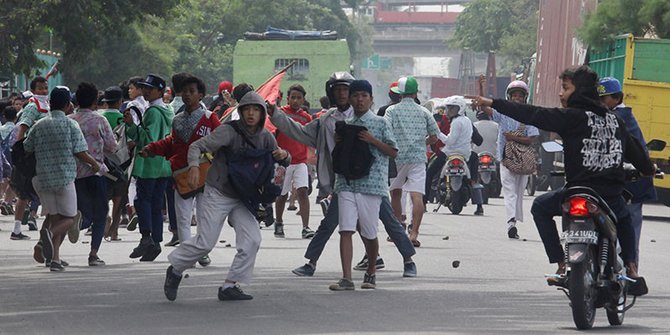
{"type": "Point", "coordinates": [559, 278]}
{"type": "Point", "coordinates": [638, 288]}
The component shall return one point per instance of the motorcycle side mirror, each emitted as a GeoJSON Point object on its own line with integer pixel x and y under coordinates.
{"type": "Point", "coordinates": [656, 145]}
{"type": "Point", "coordinates": [552, 146]}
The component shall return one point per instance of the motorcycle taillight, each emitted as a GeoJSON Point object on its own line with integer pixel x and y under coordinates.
{"type": "Point", "coordinates": [578, 206]}
{"type": "Point", "coordinates": [456, 162]}
{"type": "Point", "coordinates": [486, 159]}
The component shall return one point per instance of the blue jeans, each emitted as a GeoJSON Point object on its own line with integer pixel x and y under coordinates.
{"type": "Point", "coordinates": [635, 210]}
{"type": "Point", "coordinates": [172, 214]}
{"type": "Point", "coordinates": [149, 206]}
{"type": "Point", "coordinates": [548, 205]}
{"type": "Point", "coordinates": [93, 205]}
{"type": "Point", "coordinates": [331, 220]}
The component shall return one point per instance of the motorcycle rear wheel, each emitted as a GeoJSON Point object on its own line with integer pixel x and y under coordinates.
{"type": "Point", "coordinates": [616, 318]}
{"type": "Point", "coordinates": [456, 200]}
{"type": "Point", "coordinates": [583, 294]}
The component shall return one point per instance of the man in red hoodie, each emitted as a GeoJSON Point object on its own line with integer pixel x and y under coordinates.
{"type": "Point", "coordinates": [187, 127]}
{"type": "Point", "coordinates": [296, 173]}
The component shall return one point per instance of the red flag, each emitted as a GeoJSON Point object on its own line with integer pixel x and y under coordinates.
{"type": "Point", "coordinates": [269, 90]}
{"type": "Point", "coordinates": [52, 71]}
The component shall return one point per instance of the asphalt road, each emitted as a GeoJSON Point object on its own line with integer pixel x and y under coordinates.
{"type": "Point", "coordinates": [499, 287]}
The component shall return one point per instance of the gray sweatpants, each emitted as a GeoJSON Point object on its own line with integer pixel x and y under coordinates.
{"type": "Point", "coordinates": [212, 210]}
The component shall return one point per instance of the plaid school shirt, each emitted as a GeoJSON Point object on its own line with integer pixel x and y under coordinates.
{"type": "Point", "coordinates": [411, 123]}
{"type": "Point", "coordinates": [55, 139]}
{"type": "Point", "coordinates": [505, 125]}
{"type": "Point", "coordinates": [99, 138]}
{"type": "Point", "coordinates": [376, 183]}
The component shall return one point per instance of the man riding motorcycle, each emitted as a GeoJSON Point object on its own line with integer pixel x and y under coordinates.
{"type": "Point", "coordinates": [595, 144]}
{"type": "Point", "coordinates": [459, 141]}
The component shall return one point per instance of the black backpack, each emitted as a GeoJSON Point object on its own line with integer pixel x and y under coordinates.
{"type": "Point", "coordinates": [352, 157]}
{"type": "Point", "coordinates": [250, 172]}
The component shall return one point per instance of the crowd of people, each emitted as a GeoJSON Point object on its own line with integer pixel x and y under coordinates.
{"type": "Point", "coordinates": [158, 152]}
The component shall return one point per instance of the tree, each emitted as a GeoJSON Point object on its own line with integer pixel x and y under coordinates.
{"type": "Point", "coordinates": [616, 17]}
{"type": "Point", "coordinates": [507, 27]}
{"type": "Point", "coordinates": [205, 31]}
{"type": "Point", "coordinates": [80, 25]}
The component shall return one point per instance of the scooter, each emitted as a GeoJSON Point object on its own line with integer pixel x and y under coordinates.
{"type": "Point", "coordinates": [453, 190]}
{"type": "Point", "coordinates": [595, 274]}
{"type": "Point", "coordinates": [488, 176]}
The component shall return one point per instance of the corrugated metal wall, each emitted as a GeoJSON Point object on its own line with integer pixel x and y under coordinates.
{"type": "Point", "coordinates": [557, 46]}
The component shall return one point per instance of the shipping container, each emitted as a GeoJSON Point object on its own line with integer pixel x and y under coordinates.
{"type": "Point", "coordinates": [643, 67]}
{"type": "Point", "coordinates": [557, 46]}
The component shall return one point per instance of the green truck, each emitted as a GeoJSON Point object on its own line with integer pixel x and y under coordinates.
{"type": "Point", "coordinates": [643, 67]}
{"type": "Point", "coordinates": [254, 61]}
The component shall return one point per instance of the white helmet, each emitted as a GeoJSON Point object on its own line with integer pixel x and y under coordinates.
{"type": "Point", "coordinates": [456, 100]}
{"type": "Point", "coordinates": [517, 85]}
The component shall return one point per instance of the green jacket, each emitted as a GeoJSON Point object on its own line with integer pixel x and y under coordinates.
{"type": "Point", "coordinates": [156, 125]}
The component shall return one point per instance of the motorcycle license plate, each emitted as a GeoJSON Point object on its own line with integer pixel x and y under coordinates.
{"type": "Point", "coordinates": [455, 171]}
{"type": "Point", "coordinates": [580, 236]}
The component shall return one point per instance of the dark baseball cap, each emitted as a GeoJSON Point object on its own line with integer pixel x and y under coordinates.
{"type": "Point", "coordinates": [112, 93]}
{"type": "Point", "coordinates": [153, 80]}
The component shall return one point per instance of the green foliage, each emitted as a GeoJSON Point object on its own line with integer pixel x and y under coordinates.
{"type": "Point", "coordinates": [507, 27]}
{"type": "Point", "coordinates": [108, 41]}
{"type": "Point", "coordinates": [616, 17]}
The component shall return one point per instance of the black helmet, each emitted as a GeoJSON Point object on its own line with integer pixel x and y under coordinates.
{"type": "Point", "coordinates": [337, 78]}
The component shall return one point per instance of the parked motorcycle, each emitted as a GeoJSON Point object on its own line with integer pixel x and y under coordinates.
{"type": "Point", "coordinates": [595, 274]}
{"type": "Point", "coordinates": [453, 190]}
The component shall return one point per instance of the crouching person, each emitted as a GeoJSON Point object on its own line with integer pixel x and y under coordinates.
{"type": "Point", "coordinates": [223, 198]}
{"type": "Point", "coordinates": [360, 199]}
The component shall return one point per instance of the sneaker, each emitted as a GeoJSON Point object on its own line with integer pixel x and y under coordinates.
{"type": "Point", "coordinates": [409, 270]}
{"type": "Point", "coordinates": [325, 203]}
{"type": "Point", "coordinates": [204, 261]}
{"type": "Point", "coordinates": [151, 253]}
{"type": "Point", "coordinates": [95, 261]}
{"type": "Point", "coordinates": [306, 270]}
{"type": "Point", "coordinates": [291, 208]}
{"type": "Point", "coordinates": [141, 249]}
{"type": "Point", "coordinates": [343, 285]}
{"type": "Point", "coordinates": [47, 263]}
{"type": "Point", "coordinates": [363, 264]}
{"type": "Point", "coordinates": [173, 242]}
{"type": "Point", "coordinates": [279, 230]}
{"type": "Point", "coordinates": [171, 284]}
{"type": "Point", "coordinates": [19, 236]}
{"type": "Point", "coordinates": [124, 222]}
{"type": "Point", "coordinates": [307, 233]}
{"type": "Point", "coordinates": [89, 232]}
{"type": "Point", "coordinates": [512, 232]}
{"type": "Point", "coordinates": [38, 255]}
{"type": "Point", "coordinates": [10, 209]}
{"type": "Point", "coordinates": [73, 232]}
{"type": "Point", "coordinates": [47, 243]}
{"type": "Point", "coordinates": [479, 211]}
{"type": "Point", "coordinates": [32, 224]}
{"type": "Point", "coordinates": [369, 281]}
{"type": "Point", "coordinates": [269, 218]}
{"type": "Point", "coordinates": [233, 293]}
{"type": "Point", "coordinates": [56, 267]}
{"type": "Point", "coordinates": [132, 224]}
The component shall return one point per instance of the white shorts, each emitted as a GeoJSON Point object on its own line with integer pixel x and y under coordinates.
{"type": "Point", "coordinates": [63, 201]}
{"type": "Point", "coordinates": [410, 178]}
{"type": "Point", "coordinates": [361, 208]}
{"type": "Point", "coordinates": [296, 176]}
